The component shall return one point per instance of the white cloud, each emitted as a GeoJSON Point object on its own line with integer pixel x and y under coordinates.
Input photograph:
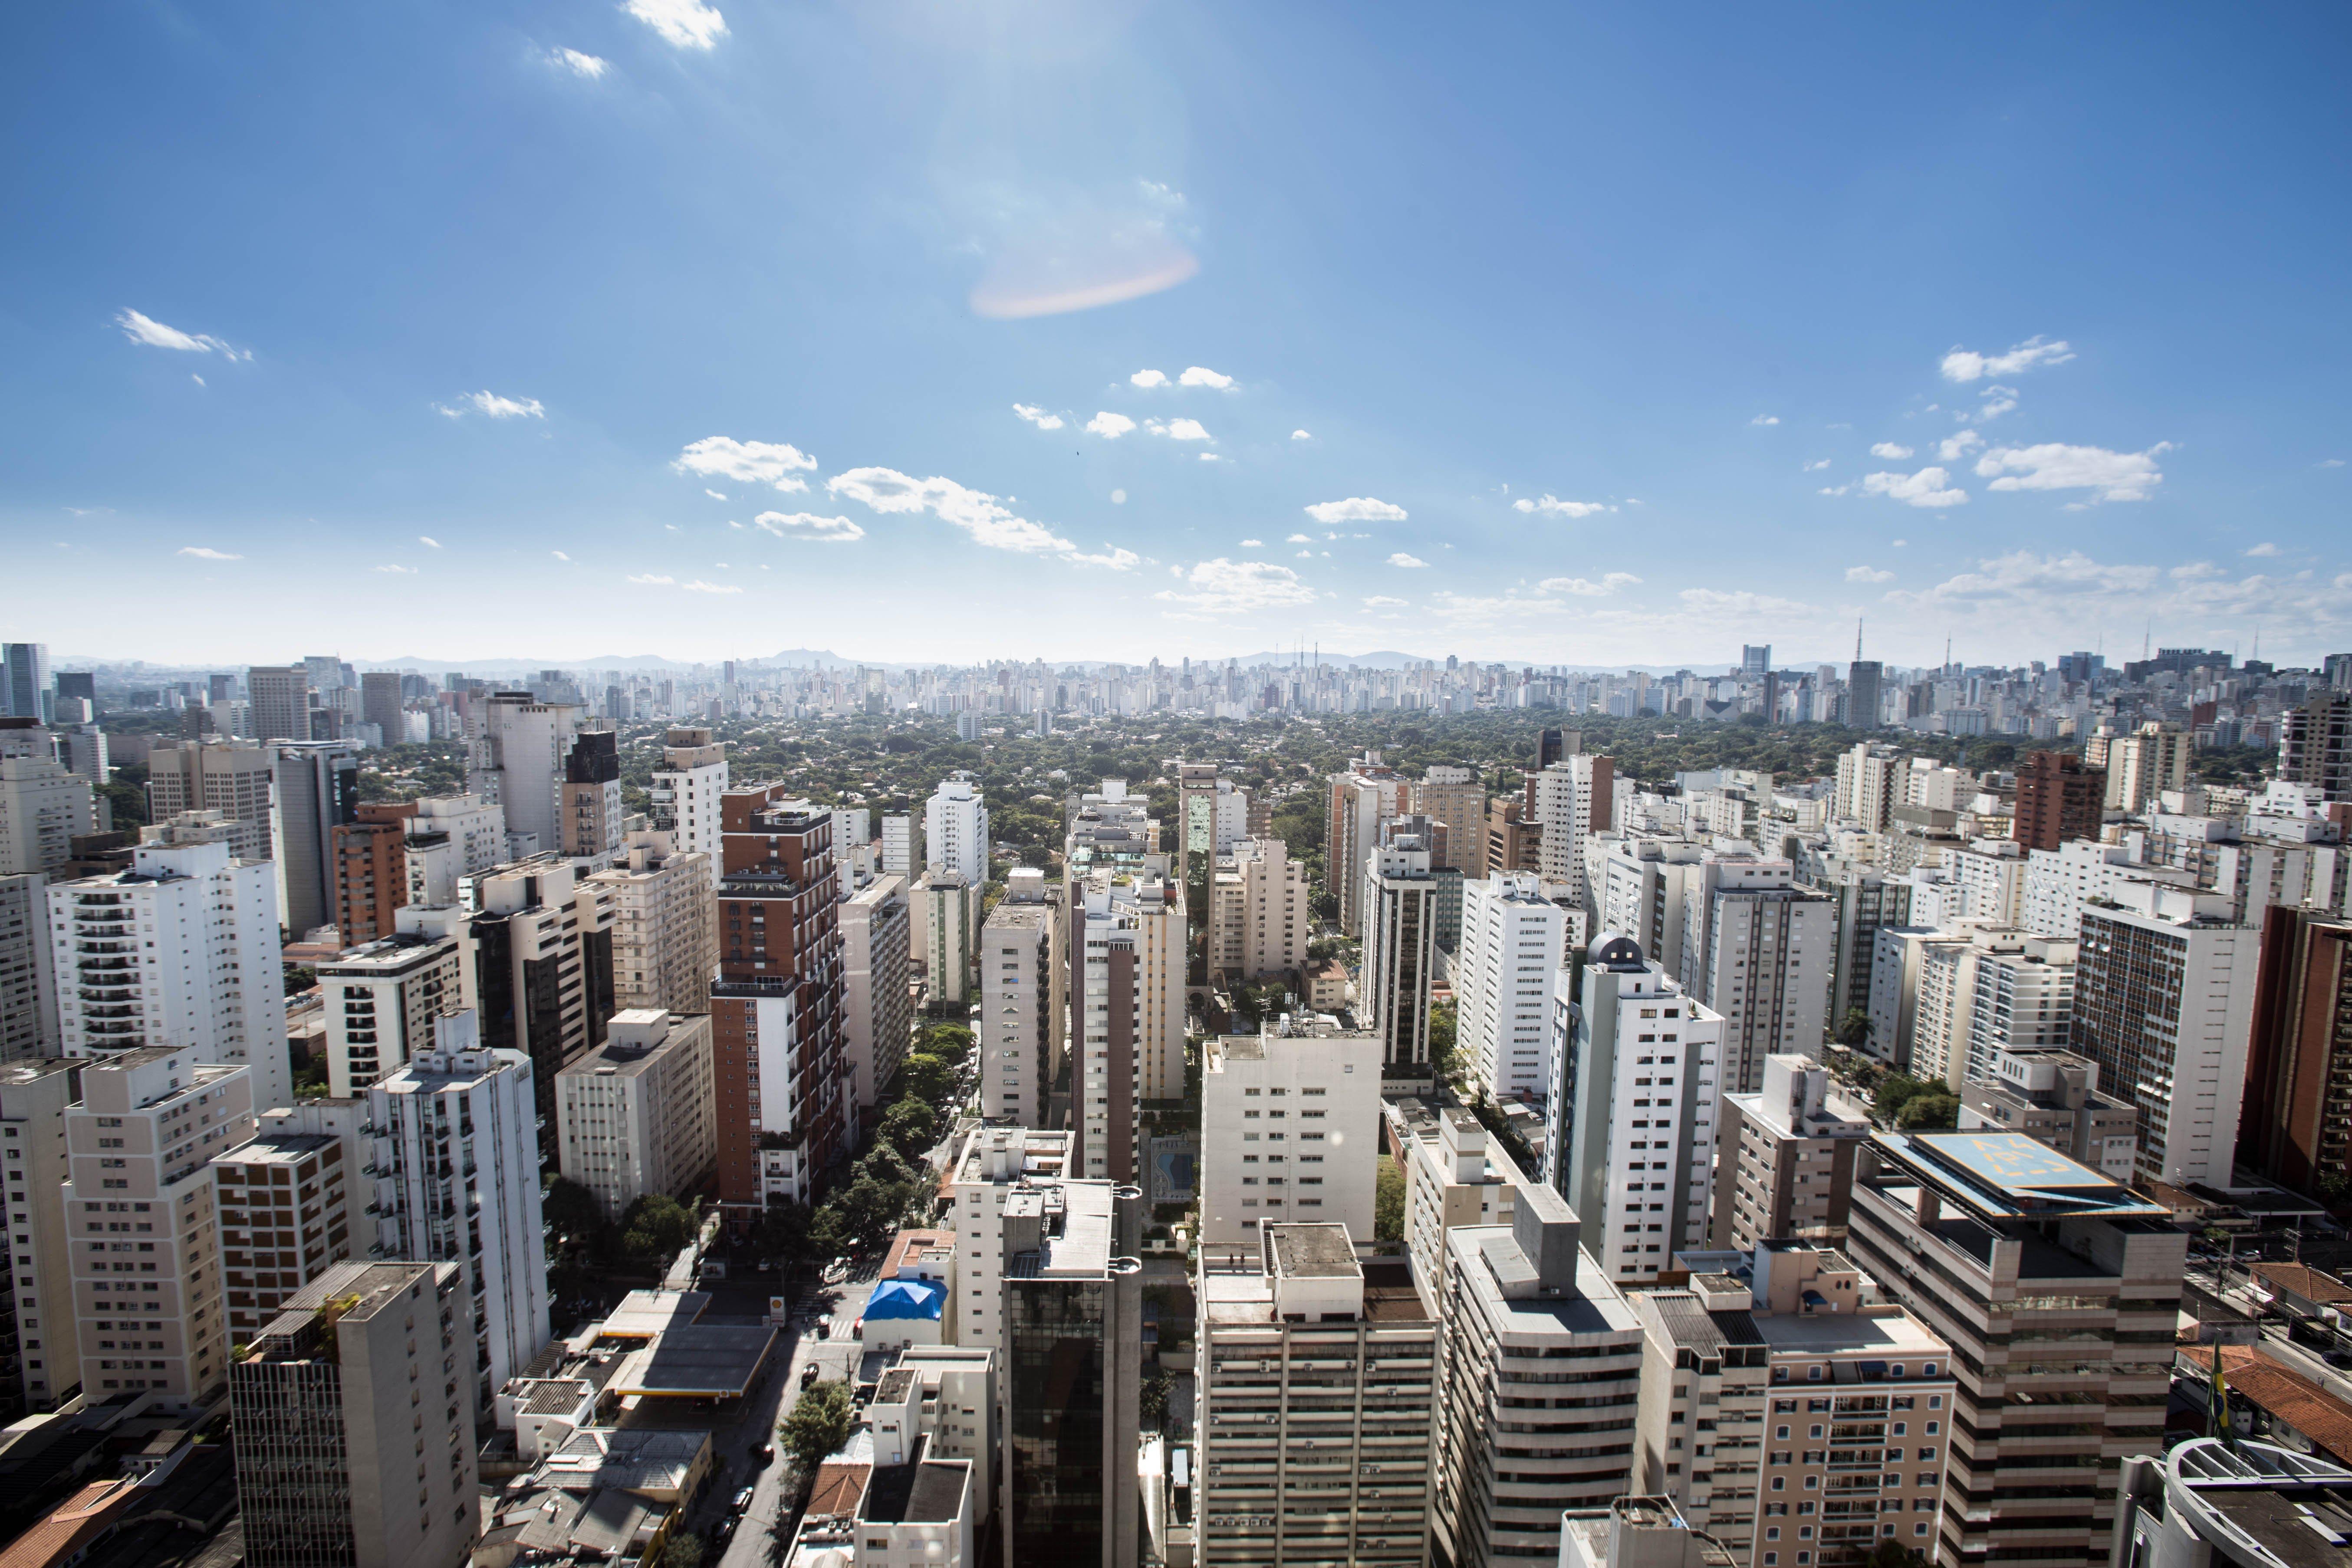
{"type": "Point", "coordinates": [1954, 448]}
{"type": "Point", "coordinates": [2265, 548]}
{"type": "Point", "coordinates": [1382, 602]}
{"type": "Point", "coordinates": [1901, 542]}
{"type": "Point", "coordinates": [1401, 559]}
{"type": "Point", "coordinates": [777, 463]}
{"type": "Point", "coordinates": [2329, 463]}
{"type": "Point", "coordinates": [735, 525]}
{"type": "Point", "coordinates": [1116, 560]}
{"type": "Point", "coordinates": [714, 495]}
{"type": "Point", "coordinates": [808, 525]}
{"type": "Point", "coordinates": [1356, 509]}
{"type": "Point", "coordinates": [1309, 554]}
{"type": "Point", "coordinates": [1711, 601]}
{"type": "Point", "coordinates": [1890, 451]}
{"type": "Point", "coordinates": [1928, 487]}
{"type": "Point", "coordinates": [1222, 587]}
{"type": "Point", "coordinates": [2052, 465]}
{"type": "Point", "coordinates": [1038, 416]}
{"type": "Point", "coordinates": [1552, 506]}
{"type": "Point", "coordinates": [1212, 457]}
{"type": "Point", "coordinates": [402, 571]}
{"type": "Point", "coordinates": [1867, 574]}
{"type": "Point", "coordinates": [1998, 401]}
{"type": "Point", "coordinates": [1817, 464]}
{"type": "Point", "coordinates": [1961, 364]}
{"type": "Point", "coordinates": [1303, 436]}
{"type": "Point", "coordinates": [559, 555]}
{"type": "Point", "coordinates": [427, 541]}
{"type": "Point", "coordinates": [649, 580]}
{"type": "Point", "coordinates": [1253, 545]}
{"type": "Point", "coordinates": [1149, 378]}
{"type": "Point", "coordinates": [682, 24]}
{"type": "Point", "coordinates": [491, 404]}
{"type": "Point", "coordinates": [974, 511]}
{"type": "Point", "coordinates": [1586, 589]}
{"type": "Point", "coordinates": [1835, 490]}
{"type": "Point", "coordinates": [140, 328]}
{"type": "Point", "coordinates": [1119, 497]}
{"type": "Point", "coordinates": [197, 379]}
{"type": "Point", "coordinates": [1200, 376]}
{"type": "Point", "coordinates": [578, 64]}
{"type": "Point", "coordinates": [202, 553]}
{"type": "Point", "coordinates": [1108, 425]}
{"type": "Point", "coordinates": [1185, 430]}
{"type": "Point", "coordinates": [699, 587]}
{"type": "Point", "coordinates": [1766, 419]}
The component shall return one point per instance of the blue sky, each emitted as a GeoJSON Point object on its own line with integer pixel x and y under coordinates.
{"type": "Point", "coordinates": [1585, 335]}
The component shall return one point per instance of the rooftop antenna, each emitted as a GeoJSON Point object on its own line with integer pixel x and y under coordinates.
{"type": "Point", "coordinates": [1948, 650]}
{"type": "Point", "coordinates": [1857, 639]}
{"type": "Point", "coordinates": [2147, 637]}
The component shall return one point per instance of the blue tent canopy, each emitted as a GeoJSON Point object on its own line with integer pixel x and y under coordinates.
{"type": "Point", "coordinates": [907, 1298]}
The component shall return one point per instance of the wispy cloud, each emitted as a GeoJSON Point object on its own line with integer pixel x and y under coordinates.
{"type": "Point", "coordinates": [2053, 465]}
{"type": "Point", "coordinates": [2329, 463]}
{"type": "Point", "coordinates": [1867, 574]}
{"type": "Point", "coordinates": [1382, 602]}
{"type": "Point", "coordinates": [1253, 545]}
{"type": "Point", "coordinates": [204, 553]}
{"type": "Point", "coordinates": [714, 495]}
{"type": "Point", "coordinates": [1963, 364]}
{"type": "Point", "coordinates": [1816, 465]}
{"type": "Point", "coordinates": [1584, 588]}
{"type": "Point", "coordinates": [491, 405]}
{"type": "Point", "coordinates": [1224, 587]}
{"type": "Point", "coordinates": [808, 525]}
{"type": "Point", "coordinates": [1108, 425]}
{"type": "Point", "coordinates": [1149, 378]}
{"type": "Point", "coordinates": [1928, 487]}
{"type": "Point", "coordinates": [427, 541]}
{"type": "Point", "coordinates": [559, 555]}
{"type": "Point", "coordinates": [1890, 451]}
{"type": "Point", "coordinates": [2265, 548]}
{"type": "Point", "coordinates": [683, 24]}
{"type": "Point", "coordinates": [397, 570]}
{"type": "Point", "coordinates": [1835, 490]}
{"type": "Point", "coordinates": [1113, 558]}
{"type": "Point", "coordinates": [142, 328]}
{"type": "Point", "coordinates": [1401, 559]}
{"type": "Point", "coordinates": [976, 512]}
{"type": "Point", "coordinates": [1186, 430]}
{"type": "Point", "coordinates": [1552, 506]}
{"type": "Point", "coordinates": [1952, 448]}
{"type": "Point", "coordinates": [652, 580]}
{"type": "Point", "coordinates": [1766, 419]}
{"type": "Point", "coordinates": [1038, 416]}
{"type": "Point", "coordinates": [1998, 401]}
{"type": "Point", "coordinates": [1303, 436]}
{"type": "Point", "coordinates": [699, 587]}
{"type": "Point", "coordinates": [578, 64]}
{"type": "Point", "coordinates": [1356, 509]}
{"type": "Point", "coordinates": [777, 463]}
{"type": "Point", "coordinates": [1202, 375]}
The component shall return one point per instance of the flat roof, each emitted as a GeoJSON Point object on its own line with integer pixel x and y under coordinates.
{"type": "Point", "coordinates": [643, 1313]}
{"type": "Point", "coordinates": [2008, 1175]}
{"type": "Point", "coordinates": [1592, 1305]}
{"type": "Point", "coordinates": [1311, 1251]}
{"type": "Point", "coordinates": [1825, 1333]}
{"type": "Point", "coordinates": [696, 1361]}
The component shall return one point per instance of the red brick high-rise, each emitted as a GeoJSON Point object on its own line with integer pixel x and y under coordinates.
{"type": "Point", "coordinates": [783, 1080]}
{"type": "Point", "coordinates": [2058, 798]}
{"type": "Point", "coordinates": [371, 872]}
{"type": "Point", "coordinates": [2296, 1125]}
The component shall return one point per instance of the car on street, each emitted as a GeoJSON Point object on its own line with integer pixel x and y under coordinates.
{"type": "Point", "coordinates": [808, 1374]}
{"type": "Point", "coordinates": [743, 1503]}
{"type": "Point", "coordinates": [722, 1532]}
{"type": "Point", "coordinates": [824, 1328]}
{"type": "Point", "coordinates": [765, 1453]}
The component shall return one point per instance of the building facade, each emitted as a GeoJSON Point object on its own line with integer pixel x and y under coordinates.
{"type": "Point", "coordinates": [1014, 1037]}
{"type": "Point", "coordinates": [1784, 1170]}
{"type": "Point", "coordinates": [664, 925]}
{"type": "Point", "coordinates": [1513, 938]}
{"type": "Point", "coordinates": [877, 967]}
{"type": "Point", "coordinates": [1290, 1119]}
{"type": "Point", "coordinates": [637, 1116]}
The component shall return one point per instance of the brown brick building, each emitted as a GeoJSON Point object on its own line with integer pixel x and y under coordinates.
{"type": "Point", "coordinates": [2058, 798]}
{"type": "Point", "coordinates": [371, 872]}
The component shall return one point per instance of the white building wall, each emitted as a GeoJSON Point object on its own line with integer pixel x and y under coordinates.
{"type": "Point", "coordinates": [1512, 939]}
{"type": "Point", "coordinates": [1289, 1131]}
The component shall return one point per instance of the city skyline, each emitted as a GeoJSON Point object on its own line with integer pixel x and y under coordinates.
{"type": "Point", "coordinates": [1551, 341]}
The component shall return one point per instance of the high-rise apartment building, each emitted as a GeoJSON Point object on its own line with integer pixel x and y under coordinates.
{"type": "Point", "coordinates": [454, 1143]}
{"type": "Point", "coordinates": [2316, 743]}
{"type": "Point", "coordinates": [902, 847]}
{"type": "Point", "coordinates": [1260, 911]}
{"type": "Point", "coordinates": [2058, 798]}
{"type": "Point", "coordinates": [2047, 1279]}
{"type": "Point", "coordinates": [1638, 882]}
{"type": "Point", "coordinates": [139, 1207]}
{"type": "Point", "coordinates": [41, 1356]}
{"type": "Point", "coordinates": [1073, 1325]}
{"type": "Point", "coordinates": [997, 1163]}
{"type": "Point", "coordinates": [287, 1208]}
{"type": "Point", "coordinates": [945, 918]}
{"type": "Point", "coordinates": [1521, 1305]}
{"type": "Point", "coordinates": [876, 966]}
{"type": "Point", "coordinates": [1290, 1119]}
{"type": "Point", "coordinates": [785, 1092]}
{"type": "Point", "coordinates": [362, 1375]}
{"type": "Point", "coordinates": [227, 777]}
{"type": "Point", "coordinates": [380, 705]}
{"type": "Point", "coordinates": [1018, 953]}
{"type": "Point", "coordinates": [1456, 797]}
{"type": "Point", "coordinates": [635, 1116]}
{"type": "Point", "coordinates": [1864, 900]}
{"type": "Point", "coordinates": [1316, 1373]}
{"type": "Point", "coordinates": [665, 924]}
{"type": "Point", "coordinates": [380, 1002]}
{"type": "Point", "coordinates": [315, 788]}
{"type": "Point", "coordinates": [2164, 1002]}
{"type": "Point", "coordinates": [42, 806]}
{"type": "Point", "coordinates": [686, 792]}
{"type": "Point", "coordinates": [520, 747]}
{"type": "Point", "coordinates": [1781, 1411]}
{"type": "Point", "coordinates": [279, 702]}
{"type": "Point", "coordinates": [1983, 990]}
{"type": "Point", "coordinates": [450, 838]}
{"type": "Point", "coordinates": [2296, 1124]}
{"type": "Point", "coordinates": [1399, 910]}
{"type": "Point", "coordinates": [955, 829]}
{"type": "Point", "coordinates": [543, 944]}
{"type": "Point", "coordinates": [589, 815]}
{"type": "Point", "coordinates": [1867, 787]}
{"type": "Point", "coordinates": [1756, 950]}
{"type": "Point", "coordinates": [2053, 1097]}
{"type": "Point", "coordinates": [370, 873]}
{"type": "Point", "coordinates": [1864, 704]}
{"type": "Point", "coordinates": [28, 987]}
{"type": "Point", "coordinates": [1575, 798]}
{"type": "Point", "coordinates": [1455, 1174]}
{"type": "Point", "coordinates": [1784, 1162]}
{"type": "Point", "coordinates": [1514, 839]}
{"type": "Point", "coordinates": [1360, 803]}
{"type": "Point", "coordinates": [180, 951]}
{"type": "Point", "coordinates": [1512, 939]}
{"type": "Point", "coordinates": [1125, 953]}
{"type": "Point", "coordinates": [25, 682]}
{"type": "Point", "coordinates": [2142, 764]}
{"type": "Point", "coordinates": [1633, 1112]}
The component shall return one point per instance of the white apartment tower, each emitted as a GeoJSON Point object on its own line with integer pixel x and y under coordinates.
{"type": "Point", "coordinates": [686, 790]}
{"type": "Point", "coordinates": [1127, 950]}
{"type": "Point", "coordinates": [139, 1206]}
{"type": "Point", "coordinates": [450, 838]}
{"type": "Point", "coordinates": [664, 925]}
{"type": "Point", "coordinates": [520, 747]}
{"type": "Point", "coordinates": [877, 964]}
{"type": "Point", "coordinates": [1512, 939]}
{"type": "Point", "coordinates": [997, 1163]}
{"type": "Point", "coordinates": [1017, 954]}
{"type": "Point", "coordinates": [35, 1095]}
{"type": "Point", "coordinates": [955, 828]}
{"type": "Point", "coordinates": [1259, 910]}
{"type": "Point", "coordinates": [1756, 950]}
{"type": "Point", "coordinates": [42, 806]}
{"type": "Point", "coordinates": [1399, 905]}
{"type": "Point", "coordinates": [232, 777]}
{"type": "Point", "coordinates": [1575, 798]}
{"type": "Point", "coordinates": [180, 951]}
{"type": "Point", "coordinates": [902, 847]}
{"type": "Point", "coordinates": [1360, 803]}
{"type": "Point", "coordinates": [1983, 990]}
{"type": "Point", "coordinates": [1289, 1126]}
{"type": "Point", "coordinates": [639, 1115]}
{"type": "Point", "coordinates": [1635, 1113]}
{"type": "Point", "coordinates": [453, 1138]}
{"type": "Point", "coordinates": [381, 1001]}
{"type": "Point", "coordinates": [28, 989]}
